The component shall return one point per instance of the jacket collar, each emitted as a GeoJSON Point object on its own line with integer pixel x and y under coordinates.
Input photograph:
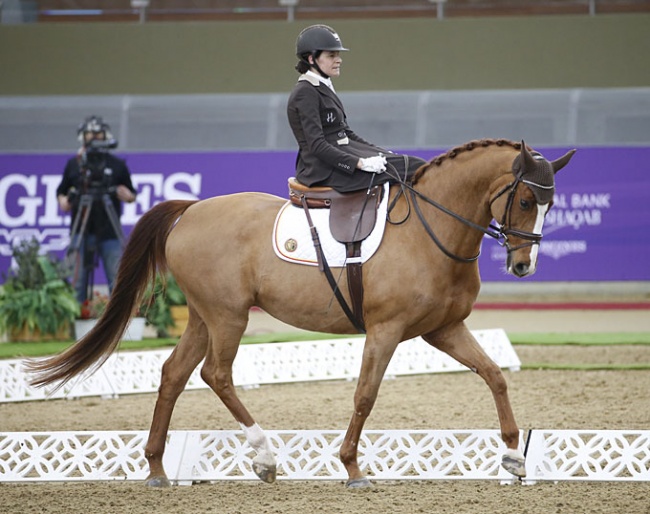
{"type": "Point", "coordinates": [315, 80]}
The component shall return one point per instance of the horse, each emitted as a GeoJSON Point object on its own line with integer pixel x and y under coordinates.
{"type": "Point", "coordinates": [420, 282]}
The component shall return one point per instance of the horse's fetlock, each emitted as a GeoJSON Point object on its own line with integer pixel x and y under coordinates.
{"type": "Point", "coordinates": [149, 452]}
{"type": "Point", "coordinates": [256, 438]}
{"type": "Point", "coordinates": [347, 455]}
{"type": "Point", "coordinates": [511, 439]}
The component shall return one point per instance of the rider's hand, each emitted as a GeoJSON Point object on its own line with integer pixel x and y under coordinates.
{"type": "Point", "coordinates": [375, 164]}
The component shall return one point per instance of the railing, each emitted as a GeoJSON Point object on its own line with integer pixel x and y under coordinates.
{"type": "Point", "coordinates": [393, 119]}
{"type": "Point", "coordinates": [178, 10]}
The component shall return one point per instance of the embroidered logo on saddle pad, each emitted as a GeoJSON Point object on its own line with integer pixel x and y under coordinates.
{"type": "Point", "coordinates": [292, 240]}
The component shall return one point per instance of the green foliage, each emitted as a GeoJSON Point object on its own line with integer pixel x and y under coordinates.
{"type": "Point", "coordinates": [157, 301]}
{"type": "Point", "coordinates": [36, 295]}
{"type": "Point", "coordinates": [173, 292]}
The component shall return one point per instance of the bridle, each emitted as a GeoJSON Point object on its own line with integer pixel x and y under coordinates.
{"type": "Point", "coordinates": [500, 233]}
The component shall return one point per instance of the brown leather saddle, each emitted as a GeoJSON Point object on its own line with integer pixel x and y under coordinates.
{"type": "Point", "coordinates": [352, 217]}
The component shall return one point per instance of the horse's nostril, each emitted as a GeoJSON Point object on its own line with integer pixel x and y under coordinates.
{"type": "Point", "coordinates": [521, 269]}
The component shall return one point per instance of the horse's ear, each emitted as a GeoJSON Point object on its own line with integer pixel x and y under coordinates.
{"type": "Point", "coordinates": [560, 163]}
{"type": "Point", "coordinates": [527, 158]}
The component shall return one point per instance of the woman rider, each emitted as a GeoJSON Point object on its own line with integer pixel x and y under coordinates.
{"type": "Point", "coordinates": [329, 152]}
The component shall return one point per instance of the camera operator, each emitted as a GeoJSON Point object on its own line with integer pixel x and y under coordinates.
{"type": "Point", "coordinates": [92, 175]}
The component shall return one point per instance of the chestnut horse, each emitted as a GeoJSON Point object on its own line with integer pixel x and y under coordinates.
{"type": "Point", "coordinates": [422, 281]}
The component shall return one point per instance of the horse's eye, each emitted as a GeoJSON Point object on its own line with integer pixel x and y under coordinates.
{"type": "Point", "coordinates": [524, 204]}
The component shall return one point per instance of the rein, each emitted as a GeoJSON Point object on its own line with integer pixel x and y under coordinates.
{"type": "Point", "coordinates": [499, 233]}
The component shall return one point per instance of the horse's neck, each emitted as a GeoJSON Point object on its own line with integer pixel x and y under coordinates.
{"type": "Point", "coordinates": [463, 184]}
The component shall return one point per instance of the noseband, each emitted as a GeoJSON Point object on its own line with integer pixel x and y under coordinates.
{"type": "Point", "coordinates": [499, 233]}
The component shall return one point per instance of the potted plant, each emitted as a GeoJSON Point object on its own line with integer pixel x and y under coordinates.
{"type": "Point", "coordinates": [93, 307]}
{"type": "Point", "coordinates": [165, 306]}
{"type": "Point", "coordinates": [36, 301]}
{"type": "Point", "coordinates": [177, 307]}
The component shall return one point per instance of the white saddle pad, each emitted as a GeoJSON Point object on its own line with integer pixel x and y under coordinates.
{"type": "Point", "coordinates": [292, 240]}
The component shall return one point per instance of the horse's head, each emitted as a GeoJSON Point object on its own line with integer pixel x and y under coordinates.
{"type": "Point", "coordinates": [521, 205]}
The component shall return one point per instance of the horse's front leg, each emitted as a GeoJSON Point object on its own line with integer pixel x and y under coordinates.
{"type": "Point", "coordinates": [376, 356]}
{"type": "Point", "coordinates": [175, 373]}
{"type": "Point", "coordinates": [459, 343]}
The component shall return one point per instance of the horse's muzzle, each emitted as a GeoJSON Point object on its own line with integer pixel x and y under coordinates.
{"type": "Point", "coordinates": [520, 268]}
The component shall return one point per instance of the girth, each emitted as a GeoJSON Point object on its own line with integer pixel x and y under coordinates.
{"type": "Point", "coordinates": [352, 218]}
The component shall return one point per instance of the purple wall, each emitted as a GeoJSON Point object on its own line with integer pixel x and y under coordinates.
{"type": "Point", "coordinates": [598, 230]}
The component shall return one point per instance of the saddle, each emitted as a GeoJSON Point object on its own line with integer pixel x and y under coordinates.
{"type": "Point", "coordinates": [352, 217]}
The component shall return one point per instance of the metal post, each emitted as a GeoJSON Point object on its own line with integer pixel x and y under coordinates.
{"type": "Point", "coordinates": [440, 8]}
{"type": "Point", "coordinates": [141, 6]}
{"type": "Point", "coordinates": [291, 8]}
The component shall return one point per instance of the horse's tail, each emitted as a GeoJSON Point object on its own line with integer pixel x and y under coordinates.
{"type": "Point", "coordinates": [143, 256]}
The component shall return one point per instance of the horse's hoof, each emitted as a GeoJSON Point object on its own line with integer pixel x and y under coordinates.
{"type": "Point", "coordinates": [265, 472]}
{"type": "Point", "coordinates": [514, 462]}
{"type": "Point", "coordinates": [161, 481]}
{"type": "Point", "coordinates": [359, 483]}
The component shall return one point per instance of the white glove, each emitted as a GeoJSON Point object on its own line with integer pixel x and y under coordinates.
{"type": "Point", "coordinates": [375, 164]}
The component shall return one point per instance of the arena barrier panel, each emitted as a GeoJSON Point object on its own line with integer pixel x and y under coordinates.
{"type": "Point", "coordinates": [598, 455]}
{"type": "Point", "coordinates": [256, 364]}
{"type": "Point", "coordinates": [200, 456]}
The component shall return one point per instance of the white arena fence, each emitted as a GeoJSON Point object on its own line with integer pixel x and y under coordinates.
{"type": "Point", "coordinates": [200, 456]}
{"type": "Point", "coordinates": [588, 455]}
{"type": "Point", "coordinates": [256, 364]}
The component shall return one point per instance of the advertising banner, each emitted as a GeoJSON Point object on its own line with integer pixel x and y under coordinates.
{"type": "Point", "coordinates": [597, 230]}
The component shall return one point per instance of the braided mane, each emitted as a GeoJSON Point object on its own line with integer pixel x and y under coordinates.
{"type": "Point", "coordinates": [467, 147]}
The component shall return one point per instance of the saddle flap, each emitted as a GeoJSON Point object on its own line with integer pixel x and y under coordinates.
{"type": "Point", "coordinates": [353, 215]}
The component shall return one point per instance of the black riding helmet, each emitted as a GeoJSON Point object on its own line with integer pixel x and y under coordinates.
{"type": "Point", "coordinates": [316, 39]}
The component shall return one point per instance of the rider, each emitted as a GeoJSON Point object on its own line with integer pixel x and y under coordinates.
{"type": "Point", "coordinates": [329, 152]}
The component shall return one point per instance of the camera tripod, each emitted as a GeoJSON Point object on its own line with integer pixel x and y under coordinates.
{"type": "Point", "coordinates": [85, 264]}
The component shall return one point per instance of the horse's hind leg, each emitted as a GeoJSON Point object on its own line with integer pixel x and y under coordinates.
{"type": "Point", "coordinates": [459, 343]}
{"type": "Point", "coordinates": [217, 373]}
{"type": "Point", "coordinates": [175, 373]}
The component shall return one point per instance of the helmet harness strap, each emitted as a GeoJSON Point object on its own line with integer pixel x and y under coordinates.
{"type": "Point", "coordinates": [315, 65]}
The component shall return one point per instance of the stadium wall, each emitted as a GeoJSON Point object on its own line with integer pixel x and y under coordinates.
{"type": "Point", "coordinates": [257, 56]}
